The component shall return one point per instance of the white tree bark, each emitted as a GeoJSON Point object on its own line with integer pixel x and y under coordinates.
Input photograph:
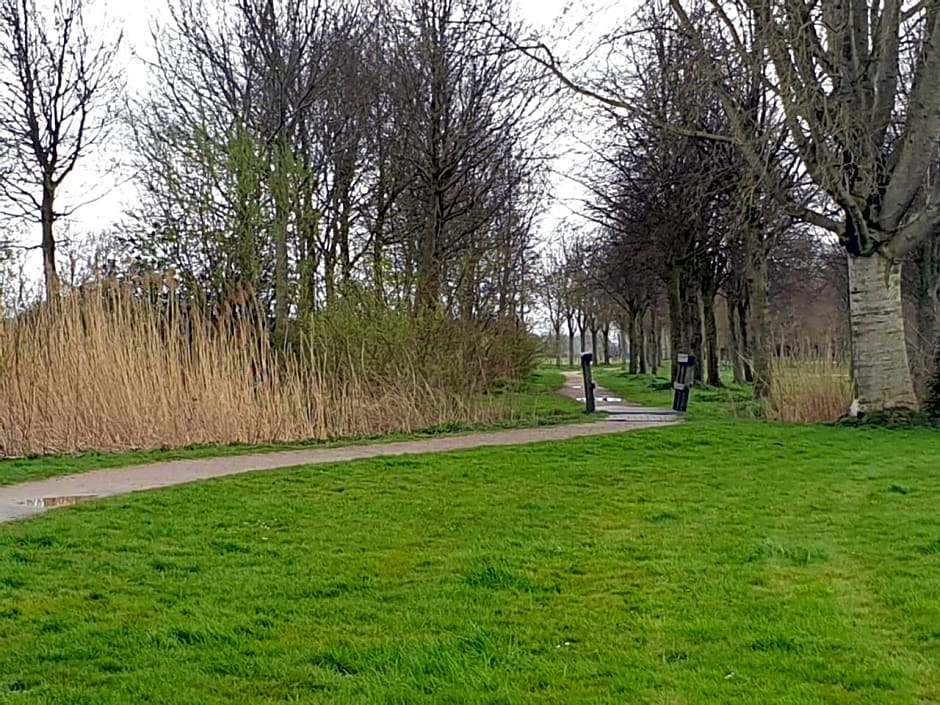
{"type": "Point", "coordinates": [881, 369]}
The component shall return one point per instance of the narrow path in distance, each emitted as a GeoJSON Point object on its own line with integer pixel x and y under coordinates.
{"type": "Point", "coordinates": [618, 409]}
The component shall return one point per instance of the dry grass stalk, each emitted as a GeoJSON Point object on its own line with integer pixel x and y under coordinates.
{"type": "Point", "coordinates": [108, 371]}
{"type": "Point", "coordinates": [809, 390]}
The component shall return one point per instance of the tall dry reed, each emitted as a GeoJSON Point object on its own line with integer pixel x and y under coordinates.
{"type": "Point", "coordinates": [107, 370]}
{"type": "Point", "coordinates": [809, 390]}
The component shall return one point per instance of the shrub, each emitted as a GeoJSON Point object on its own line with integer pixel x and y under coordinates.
{"type": "Point", "coordinates": [383, 344]}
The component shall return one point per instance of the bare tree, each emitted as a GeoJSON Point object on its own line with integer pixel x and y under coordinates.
{"type": "Point", "coordinates": [856, 81]}
{"type": "Point", "coordinates": [466, 108]}
{"type": "Point", "coordinates": [662, 197]}
{"type": "Point", "coordinates": [552, 293]}
{"type": "Point", "coordinates": [310, 152]}
{"type": "Point", "coordinates": [58, 96]}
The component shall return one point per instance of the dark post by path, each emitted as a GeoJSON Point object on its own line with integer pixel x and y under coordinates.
{"type": "Point", "coordinates": [684, 376]}
{"type": "Point", "coordinates": [586, 359]}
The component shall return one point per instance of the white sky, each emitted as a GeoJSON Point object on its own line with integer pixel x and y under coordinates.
{"type": "Point", "coordinates": [113, 193]}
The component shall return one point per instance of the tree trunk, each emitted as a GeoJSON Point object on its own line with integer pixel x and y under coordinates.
{"type": "Point", "coordinates": [570, 347]}
{"type": "Point", "coordinates": [880, 365]}
{"type": "Point", "coordinates": [634, 342]}
{"type": "Point", "coordinates": [734, 346]}
{"type": "Point", "coordinates": [711, 340]}
{"type": "Point", "coordinates": [623, 344]}
{"type": "Point", "coordinates": [557, 330]}
{"type": "Point", "coordinates": [927, 298]}
{"type": "Point", "coordinates": [281, 285]}
{"type": "Point", "coordinates": [344, 226]}
{"type": "Point", "coordinates": [329, 280]}
{"type": "Point", "coordinates": [47, 214]}
{"type": "Point", "coordinates": [666, 342]}
{"type": "Point", "coordinates": [594, 351]}
{"type": "Point", "coordinates": [653, 355]}
{"type": "Point", "coordinates": [676, 321]}
{"type": "Point", "coordinates": [655, 348]}
{"type": "Point", "coordinates": [606, 332]}
{"type": "Point", "coordinates": [927, 318]}
{"type": "Point", "coordinates": [693, 308]}
{"type": "Point", "coordinates": [743, 315]}
{"type": "Point", "coordinates": [641, 336]}
{"type": "Point", "coordinates": [282, 196]}
{"type": "Point", "coordinates": [428, 291]}
{"type": "Point", "coordinates": [378, 258]}
{"type": "Point", "coordinates": [760, 344]}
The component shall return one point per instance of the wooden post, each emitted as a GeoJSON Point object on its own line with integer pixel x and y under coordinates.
{"type": "Point", "coordinates": [586, 359]}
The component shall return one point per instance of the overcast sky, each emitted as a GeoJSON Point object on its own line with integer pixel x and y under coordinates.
{"type": "Point", "coordinates": [554, 18]}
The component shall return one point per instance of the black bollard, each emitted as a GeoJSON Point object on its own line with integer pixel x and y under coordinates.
{"type": "Point", "coordinates": [684, 377]}
{"type": "Point", "coordinates": [586, 359]}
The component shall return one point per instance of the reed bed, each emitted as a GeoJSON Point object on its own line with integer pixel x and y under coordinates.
{"type": "Point", "coordinates": [809, 389]}
{"type": "Point", "coordinates": [107, 369]}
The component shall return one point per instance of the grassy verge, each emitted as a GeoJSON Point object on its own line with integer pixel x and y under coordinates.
{"type": "Point", "coordinates": [729, 401]}
{"type": "Point", "coordinates": [716, 562]}
{"type": "Point", "coordinates": [532, 402]}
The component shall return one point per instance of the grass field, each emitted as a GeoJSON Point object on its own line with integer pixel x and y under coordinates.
{"type": "Point", "coordinates": [730, 401]}
{"type": "Point", "coordinates": [715, 562]}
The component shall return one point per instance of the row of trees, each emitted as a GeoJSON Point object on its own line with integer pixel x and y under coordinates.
{"type": "Point", "coordinates": [853, 83]}
{"type": "Point", "coordinates": [306, 152]}
{"type": "Point", "coordinates": [301, 151]}
{"type": "Point", "coordinates": [754, 134]}
{"type": "Point", "coordinates": [588, 308]}
{"type": "Point", "coordinates": [595, 299]}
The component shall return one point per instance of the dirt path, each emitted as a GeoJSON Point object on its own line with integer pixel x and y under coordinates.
{"type": "Point", "coordinates": [574, 388]}
{"type": "Point", "coordinates": [26, 499]}
{"type": "Point", "coordinates": [618, 408]}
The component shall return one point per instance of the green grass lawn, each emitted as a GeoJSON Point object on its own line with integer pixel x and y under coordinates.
{"type": "Point", "coordinates": [531, 402]}
{"type": "Point", "coordinates": [715, 562]}
{"type": "Point", "coordinates": [730, 401]}
{"type": "Point", "coordinates": [535, 400]}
